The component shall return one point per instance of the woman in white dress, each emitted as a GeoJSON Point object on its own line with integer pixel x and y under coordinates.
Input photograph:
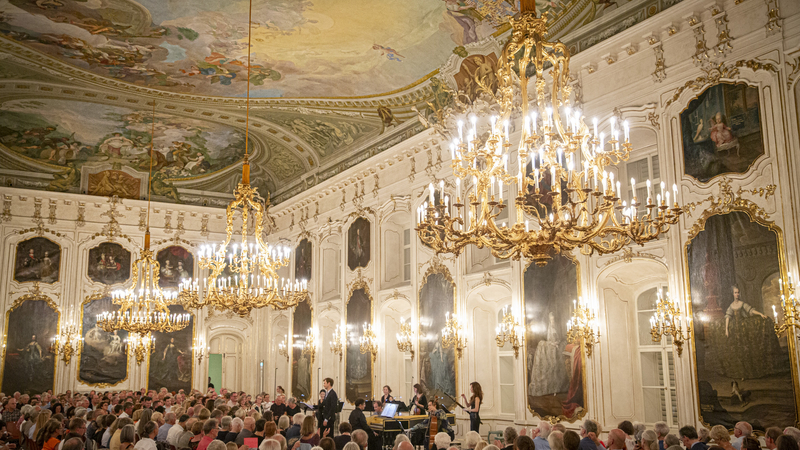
{"type": "Point", "coordinates": [549, 375]}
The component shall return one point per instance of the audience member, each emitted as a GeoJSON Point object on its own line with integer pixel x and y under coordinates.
{"type": "Point", "coordinates": [690, 439]}
{"type": "Point", "coordinates": [555, 440]}
{"type": "Point", "coordinates": [786, 442]}
{"type": "Point", "coordinates": [719, 434]}
{"type": "Point", "coordinates": [147, 435]}
{"type": "Point", "coordinates": [210, 432]}
{"type": "Point", "coordinates": [524, 443]}
{"type": "Point", "coordinates": [344, 436]}
{"type": "Point", "coordinates": [740, 431]}
{"type": "Point", "coordinates": [771, 436]}
{"type": "Point", "coordinates": [617, 438]}
{"type": "Point", "coordinates": [441, 441]}
{"type": "Point", "coordinates": [540, 435]}
{"type": "Point", "coordinates": [571, 440]}
{"type": "Point", "coordinates": [589, 432]}
{"type": "Point", "coordinates": [662, 430]}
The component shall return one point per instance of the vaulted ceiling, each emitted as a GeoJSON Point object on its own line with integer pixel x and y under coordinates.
{"type": "Point", "coordinates": [332, 82]}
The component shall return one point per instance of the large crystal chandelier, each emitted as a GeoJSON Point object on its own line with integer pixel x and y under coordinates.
{"type": "Point", "coordinates": [143, 306]}
{"type": "Point", "coordinates": [244, 277]}
{"type": "Point", "coordinates": [566, 198]}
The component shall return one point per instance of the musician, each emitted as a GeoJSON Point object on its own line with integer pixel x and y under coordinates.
{"type": "Point", "coordinates": [474, 408]}
{"type": "Point", "coordinates": [418, 401]}
{"type": "Point", "coordinates": [318, 411]}
{"type": "Point", "coordinates": [419, 432]}
{"type": "Point", "coordinates": [387, 394]}
{"type": "Point", "coordinates": [330, 406]}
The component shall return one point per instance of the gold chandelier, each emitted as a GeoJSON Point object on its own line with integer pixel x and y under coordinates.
{"type": "Point", "coordinates": [583, 328]}
{"type": "Point", "coordinates": [369, 341]}
{"type": "Point", "coordinates": [404, 343]}
{"type": "Point", "coordinates": [143, 306]}
{"type": "Point", "coordinates": [140, 344]}
{"type": "Point", "coordinates": [68, 342]}
{"type": "Point", "coordinates": [567, 199]}
{"type": "Point", "coordinates": [668, 321]}
{"type": "Point", "coordinates": [283, 347]}
{"type": "Point", "coordinates": [510, 330]}
{"type": "Point", "coordinates": [790, 308]}
{"type": "Point", "coordinates": [245, 277]}
{"type": "Point", "coordinates": [453, 335]}
{"type": "Point", "coordinates": [338, 342]}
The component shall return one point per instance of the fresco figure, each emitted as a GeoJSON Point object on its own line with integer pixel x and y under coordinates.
{"type": "Point", "coordinates": [461, 17]}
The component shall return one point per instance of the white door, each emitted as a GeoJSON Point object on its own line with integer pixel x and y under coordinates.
{"type": "Point", "coordinates": [230, 347]}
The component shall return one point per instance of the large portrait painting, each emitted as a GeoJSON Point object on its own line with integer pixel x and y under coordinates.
{"type": "Point", "coordinates": [104, 359]}
{"type": "Point", "coordinates": [436, 364]}
{"type": "Point", "coordinates": [301, 362]}
{"type": "Point", "coordinates": [29, 366]}
{"type": "Point", "coordinates": [721, 131]}
{"type": "Point", "coordinates": [171, 363]}
{"type": "Point", "coordinates": [358, 366]}
{"type": "Point", "coordinates": [109, 263]}
{"type": "Point", "coordinates": [358, 244]}
{"type": "Point", "coordinates": [38, 259]}
{"type": "Point", "coordinates": [176, 264]}
{"type": "Point", "coordinates": [554, 367]}
{"type": "Point", "coordinates": [744, 370]}
{"type": "Point", "coordinates": [302, 261]}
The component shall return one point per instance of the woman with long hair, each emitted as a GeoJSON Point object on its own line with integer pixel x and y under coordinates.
{"type": "Point", "coordinates": [47, 438]}
{"type": "Point", "coordinates": [419, 403]}
{"type": "Point", "coordinates": [126, 437]}
{"type": "Point", "coordinates": [474, 408]}
{"type": "Point", "coordinates": [41, 419]}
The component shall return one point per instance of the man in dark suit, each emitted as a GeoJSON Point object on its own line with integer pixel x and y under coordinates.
{"type": "Point", "coordinates": [357, 419]}
{"type": "Point", "coordinates": [690, 439]}
{"type": "Point", "coordinates": [329, 408]}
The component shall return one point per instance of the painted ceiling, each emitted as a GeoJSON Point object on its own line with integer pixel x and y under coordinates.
{"type": "Point", "coordinates": [332, 81]}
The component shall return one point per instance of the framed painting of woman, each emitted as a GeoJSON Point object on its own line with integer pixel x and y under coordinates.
{"type": "Point", "coordinates": [171, 363]}
{"type": "Point", "coordinates": [29, 366]}
{"type": "Point", "coordinates": [721, 131]}
{"type": "Point", "coordinates": [744, 370]}
{"type": "Point", "coordinates": [554, 367]}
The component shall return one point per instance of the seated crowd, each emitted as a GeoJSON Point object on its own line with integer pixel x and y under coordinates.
{"type": "Point", "coordinates": [150, 420]}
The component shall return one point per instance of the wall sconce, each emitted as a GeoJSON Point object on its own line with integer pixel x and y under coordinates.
{"type": "Point", "coordinates": [668, 321]}
{"type": "Point", "coordinates": [283, 347]}
{"type": "Point", "coordinates": [369, 341]}
{"type": "Point", "coordinates": [453, 335]}
{"type": "Point", "coordinates": [790, 308]}
{"type": "Point", "coordinates": [338, 343]}
{"type": "Point", "coordinates": [582, 328]}
{"type": "Point", "coordinates": [509, 330]}
{"type": "Point", "coordinates": [200, 349]}
{"type": "Point", "coordinates": [404, 343]}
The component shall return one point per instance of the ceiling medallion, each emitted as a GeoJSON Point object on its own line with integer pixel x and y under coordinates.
{"type": "Point", "coordinates": [566, 198]}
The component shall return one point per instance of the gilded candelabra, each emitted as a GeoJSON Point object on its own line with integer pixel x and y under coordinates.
{"type": "Point", "coordinates": [510, 330]}
{"type": "Point", "coordinates": [790, 308]}
{"type": "Point", "coordinates": [244, 277]}
{"type": "Point", "coordinates": [68, 342]}
{"type": "Point", "coordinates": [566, 198]}
{"type": "Point", "coordinates": [143, 306]}
{"type": "Point", "coordinates": [369, 341]}
{"type": "Point", "coordinates": [310, 345]}
{"type": "Point", "coordinates": [201, 349]}
{"type": "Point", "coordinates": [453, 335]}
{"type": "Point", "coordinates": [338, 343]}
{"type": "Point", "coordinates": [404, 343]}
{"type": "Point", "coordinates": [668, 321]}
{"type": "Point", "coordinates": [582, 328]}
{"type": "Point", "coordinates": [140, 345]}
{"type": "Point", "coordinates": [283, 347]}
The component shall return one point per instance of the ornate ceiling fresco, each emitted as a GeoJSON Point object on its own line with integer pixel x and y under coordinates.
{"type": "Point", "coordinates": [334, 81]}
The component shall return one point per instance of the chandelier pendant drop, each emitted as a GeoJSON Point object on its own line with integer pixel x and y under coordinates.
{"type": "Point", "coordinates": [244, 277]}
{"type": "Point", "coordinates": [143, 306]}
{"type": "Point", "coordinates": [567, 199]}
